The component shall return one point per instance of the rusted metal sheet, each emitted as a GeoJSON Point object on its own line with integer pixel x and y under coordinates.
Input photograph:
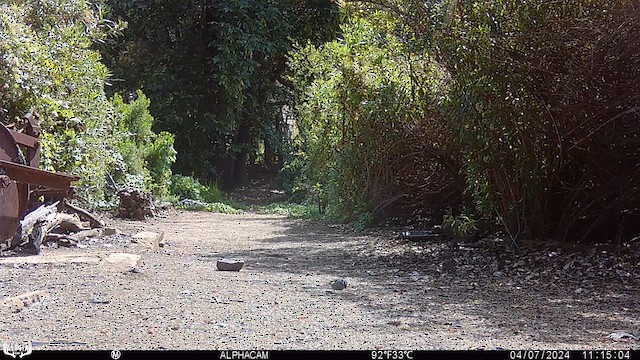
{"type": "Point", "coordinates": [24, 139]}
{"type": "Point", "coordinates": [19, 173]}
{"type": "Point", "coordinates": [29, 175]}
{"type": "Point", "coordinates": [9, 211]}
{"type": "Point", "coordinates": [11, 195]}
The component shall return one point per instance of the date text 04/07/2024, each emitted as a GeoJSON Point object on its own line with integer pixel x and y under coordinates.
{"type": "Point", "coordinates": [566, 355]}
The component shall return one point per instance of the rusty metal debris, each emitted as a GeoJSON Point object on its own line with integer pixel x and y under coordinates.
{"type": "Point", "coordinates": [22, 183]}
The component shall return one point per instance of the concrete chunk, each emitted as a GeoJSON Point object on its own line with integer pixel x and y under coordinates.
{"type": "Point", "coordinates": [149, 239]}
{"type": "Point", "coordinates": [18, 303]}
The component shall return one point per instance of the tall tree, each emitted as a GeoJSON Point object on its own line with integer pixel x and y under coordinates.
{"type": "Point", "coordinates": [214, 71]}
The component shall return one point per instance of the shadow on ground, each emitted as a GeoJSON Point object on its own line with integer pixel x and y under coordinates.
{"type": "Point", "coordinates": [436, 286]}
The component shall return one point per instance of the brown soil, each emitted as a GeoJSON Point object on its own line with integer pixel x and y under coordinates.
{"type": "Point", "coordinates": [402, 295]}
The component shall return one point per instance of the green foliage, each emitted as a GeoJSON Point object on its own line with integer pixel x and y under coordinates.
{"type": "Point", "coordinates": [214, 70]}
{"type": "Point", "coordinates": [145, 157]}
{"type": "Point", "coordinates": [362, 221]}
{"type": "Point", "coordinates": [526, 110]}
{"type": "Point", "coordinates": [543, 102]}
{"type": "Point", "coordinates": [459, 225]}
{"type": "Point", "coordinates": [187, 187]}
{"type": "Point", "coordinates": [216, 207]}
{"type": "Point", "coordinates": [292, 210]}
{"type": "Point", "coordinates": [541, 99]}
{"type": "Point", "coordinates": [47, 66]}
{"type": "Point", "coordinates": [362, 101]}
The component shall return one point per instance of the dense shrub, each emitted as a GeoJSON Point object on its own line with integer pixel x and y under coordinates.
{"type": "Point", "coordinates": [375, 141]}
{"type": "Point", "coordinates": [531, 108]}
{"type": "Point", "coordinates": [146, 157]}
{"type": "Point", "coordinates": [47, 66]}
{"type": "Point", "coordinates": [187, 187]}
{"type": "Point", "coordinates": [545, 102]}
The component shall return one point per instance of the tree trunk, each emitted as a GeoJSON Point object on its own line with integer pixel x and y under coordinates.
{"type": "Point", "coordinates": [243, 141]}
{"type": "Point", "coordinates": [269, 154]}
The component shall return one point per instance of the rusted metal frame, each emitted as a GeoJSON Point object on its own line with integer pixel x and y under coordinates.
{"type": "Point", "coordinates": [29, 175]}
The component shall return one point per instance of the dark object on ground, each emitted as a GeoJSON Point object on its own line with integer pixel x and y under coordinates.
{"type": "Point", "coordinates": [419, 235]}
{"type": "Point", "coordinates": [339, 284]}
{"type": "Point", "coordinates": [229, 265]}
{"type": "Point", "coordinates": [135, 204]}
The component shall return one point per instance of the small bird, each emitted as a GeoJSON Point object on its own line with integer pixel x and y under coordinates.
{"type": "Point", "coordinates": [339, 284]}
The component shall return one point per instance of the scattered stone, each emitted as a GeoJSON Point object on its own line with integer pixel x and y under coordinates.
{"type": "Point", "coordinates": [448, 265]}
{"type": "Point", "coordinates": [49, 259]}
{"type": "Point", "coordinates": [18, 303]}
{"type": "Point", "coordinates": [79, 236]}
{"type": "Point", "coordinates": [121, 261]}
{"type": "Point", "coordinates": [190, 204]}
{"type": "Point", "coordinates": [109, 231]}
{"type": "Point", "coordinates": [621, 336]}
{"type": "Point", "coordinates": [100, 301]}
{"type": "Point", "coordinates": [414, 275]}
{"type": "Point", "coordinates": [229, 265]}
{"type": "Point", "coordinates": [339, 284]}
{"type": "Point", "coordinates": [149, 239]}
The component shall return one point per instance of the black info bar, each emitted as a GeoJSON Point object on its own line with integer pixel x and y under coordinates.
{"type": "Point", "coordinates": [333, 354]}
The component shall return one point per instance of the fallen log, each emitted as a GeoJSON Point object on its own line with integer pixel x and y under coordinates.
{"type": "Point", "coordinates": [32, 228]}
{"type": "Point", "coordinates": [84, 214]}
{"type": "Point", "coordinates": [64, 223]}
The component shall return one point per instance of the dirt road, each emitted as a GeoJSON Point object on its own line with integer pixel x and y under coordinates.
{"type": "Point", "coordinates": [402, 295]}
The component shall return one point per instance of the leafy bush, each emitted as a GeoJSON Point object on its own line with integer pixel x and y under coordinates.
{"type": "Point", "coordinates": [217, 207]}
{"type": "Point", "coordinates": [146, 157]}
{"type": "Point", "coordinates": [290, 209]}
{"type": "Point", "coordinates": [187, 187]}
{"type": "Point", "coordinates": [47, 66]}
{"type": "Point", "coordinates": [527, 109]}
{"type": "Point", "coordinates": [373, 138]}
{"type": "Point", "coordinates": [545, 101]}
{"type": "Point", "coordinates": [459, 225]}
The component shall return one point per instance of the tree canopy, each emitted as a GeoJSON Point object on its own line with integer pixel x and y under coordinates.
{"type": "Point", "coordinates": [520, 116]}
{"type": "Point", "coordinates": [215, 71]}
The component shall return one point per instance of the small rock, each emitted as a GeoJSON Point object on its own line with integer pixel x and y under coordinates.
{"type": "Point", "coordinates": [229, 265]}
{"type": "Point", "coordinates": [100, 301]}
{"type": "Point", "coordinates": [93, 233]}
{"type": "Point", "coordinates": [339, 284]}
{"type": "Point", "coordinates": [579, 290]}
{"type": "Point", "coordinates": [109, 231]}
{"type": "Point", "coordinates": [121, 261]}
{"type": "Point", "coordinates": [621, 336]}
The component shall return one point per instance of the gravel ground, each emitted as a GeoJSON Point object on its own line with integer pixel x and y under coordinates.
{"type": "Point", "coordinates": [402, 295]}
